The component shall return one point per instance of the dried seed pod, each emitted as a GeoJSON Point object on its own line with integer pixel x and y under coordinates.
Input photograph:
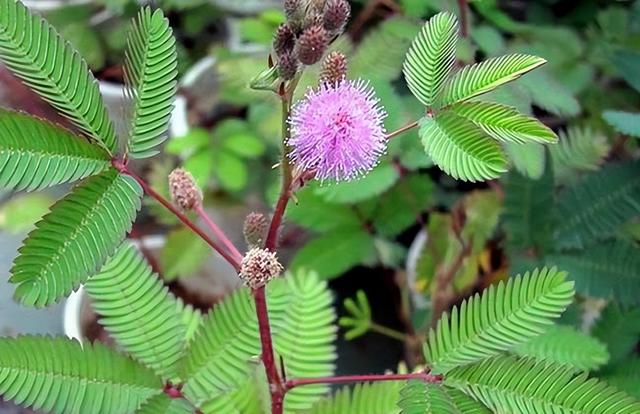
{"type": "Point", "coordinates": [284, 40]}
{"type": "Point", "coordinates": [336, 14]}
{"type": "Point", "coordinates": [334, 68]}
{"type": "Point", "coordinates": [184, 190]}
{"type": "Point", "coordinates": [258, 267]}
{"type": "Point", "coordinates": [312, 44]}
{"type": "Point", "coordinates": [255, 229]}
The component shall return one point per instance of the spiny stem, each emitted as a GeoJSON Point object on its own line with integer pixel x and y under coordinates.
{"type": "Point", "coordinates": [217, 232]}
{"type": "Point", "coordinates": [401, 130]}
{"type": "Point", "coordinates": [423, 376]}
{"type": "Point", "coordinates": [184, 219]}
{"type": "Point", "coordinates": [391, 333]}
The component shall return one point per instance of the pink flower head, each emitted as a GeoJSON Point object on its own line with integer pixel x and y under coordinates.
{"type": "Point", "coordinates": [337, 130]}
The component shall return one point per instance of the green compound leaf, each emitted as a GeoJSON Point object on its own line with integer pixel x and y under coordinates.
{"type": "Point", "coordinates": [483, 77]}
{"type": "Point", "coordinates": [138, 311]}
{"type": "Point", "coordinates": [460, 148]}
{"type": "Point", "coordinates": [504, 123]}
{"type": "Point", "coordinates": [363, 398]}
{"type": "Point", "coordinates": [579, 150]}
{"type": "Point", "coordinates": [619, 329]}
{"type": "Point", "coordinates": [503, 317]}
{"type": "Point", "coordinates": [35, 154]}
{"type": "Point", "coordinates": [150, 70]}
{"type": "Point", "coordinates": [419, 397]}
{"type": "Point", "coordinates": [566, 346]}
{"type": "Point", "coordinates": [163, 404]}
{"type": "Point", "coordinates": [431, 57]}
{"type": "Point", "coordinates": [34, 51]}
{"type": "Point", "coordinates": [465, 404]}
{"type": "Point", "coordinates": [606, 270]}
{"type": "Point", "coordinates": [627, 123]}
{"type": "Point", "coordinates": [598, 205]}
{"type": "Point", "coordinates": [511, 385]}
{"type": "Point", "coordinates": [75, 239]}
{"type": "Point", "coordinates": [59, 375]}
{"type": "Point", "coordinates": [359, 320]}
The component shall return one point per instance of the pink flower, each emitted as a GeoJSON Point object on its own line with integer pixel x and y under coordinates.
{"type": "Point", "coordinates": [337, 130]}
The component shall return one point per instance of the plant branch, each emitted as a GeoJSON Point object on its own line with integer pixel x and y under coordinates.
{"type": "Point", "coordinates": [424, 376]}
{"type": "Point", "coordinates": [401, 130]}
{"type": "Point", "coordinates": [183, 218]}
{"type": "Point", "coordinates": [464, 18]}
{"type": "Point", "coordinates": [217, 232]}
{"type": "Point", "coordinates": [391, 333]}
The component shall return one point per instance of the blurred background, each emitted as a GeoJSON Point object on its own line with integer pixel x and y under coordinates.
{"type": "Point", "coordinates": [395, 232]}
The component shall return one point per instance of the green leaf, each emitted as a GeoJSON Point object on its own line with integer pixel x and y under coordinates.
{"type": "Point", "coordinates": [627, 123]}
{"type": "Point", "coordinates": [32, 49]}
{"type": "Point", "coordinates": [551, 95]}
{"type": "Point", "coordinates": [19, 213]}
{"type": "Point", "coordinates": [73, 241]}
{"type": "Point", "coordinates": [625, 376]}
{"type": "Point", "coordinates": [504, 123]}
{"type": "Point", "coordinates": [579, 150]}
{"type": "Point", "coordinates": [376, 182]}
{"type": "Point", "coordinates": [231, 171]}
{"type": "Point", "coordinates": [510, 385]}
{"type": "Point", "coordinates": [461, 149]}
{"type": "Point", "coordinates": [150, 71]}
{"type": "Point", "coordinates": [86, 41]}
{"type": "Point", "coordinates": [465, 404]}
{"type": "Point", "coordinates": [183, 254]}
{"type": "Point", "coordinates": [528, 159]}
{"type": "Point", "coordinates": [483, 77]}
{"type": "Point", "coordinates": [138, 311]}
{"type": "Point", "coordinates": [619, 329]}
{"type": "Point", "coordinates": [163, 404]}
{"type": "Point", "coordinates": [598, 205]}
{"type": "Point", "coordinates": [419, 397]}
{"type": "Point", "coordinates": [503, 317]}
{"type": "Point", "coordinates": [334, 253]}
{"type": "Point", "coordinates": [605, 270]}
{"type": "Point", "coordinates": [59, 375]}
{"type": "Point", "coordinates": [527, 214]}
{"type": "Point", "coordinates": [628, 64]}
{"type": "Point", "coordinates": [244, 145]}
{"type": "Point", "coordinates": [314, 213]}
{"type": "Point", "coordinates": [364, 398]}
{"type": "Point", "coordinates": [35, 154]}
{"type": "Point", "coordinates": [431, 57]}
{"type": "Point", "coordinates": [359, 320]}
{"type": "Point", "coordinates": [565, 345]}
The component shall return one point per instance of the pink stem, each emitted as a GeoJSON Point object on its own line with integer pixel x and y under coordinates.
{"type": "Point", "coordinates": [218, 232]}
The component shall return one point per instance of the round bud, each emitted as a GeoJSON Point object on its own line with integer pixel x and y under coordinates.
{"type": "Point", "coordinates": [258, 267]}
{"type": "Point", "coordinates": [255, 229]}
{"type": "Point", "coordinates": [294, 11]}
{"type": "Point", "coordinates": [336, 14]}
{"type": "Point", "coordinates": [184, 190]}
{"type": "Point", "coordinates": [334, 68]}
{"type": "Point", "coordinates": [312, 44]}
{"type": "Point", "coordinates": [284, 40]}
{"type": "Point", "coordinates": [287, 66]}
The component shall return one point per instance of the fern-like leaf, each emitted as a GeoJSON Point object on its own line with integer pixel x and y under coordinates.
{"type": "Point", "coordinates": [510, 385]}
{"type": "Point", "coordinates": [504, 123]}
{"type": "Point", "coordinates": [60, 376]}
{"type": "Point", "coordinates": [431, 57]}
{"type": "Point", "coordinates": [503, 317]}
{"type": "Point", "coordinates": [579, 150]}
{"type": "Point", "coordinates": [606, 270]}
{"type": "Point", "coordinates": [138, 311]}
{"type": "Point", "coordinates": [35, 154]}
{"type": "Point", "coordinates": [363, 398]}
{"type": "Point", "coordinates": [483, 77]}
{"type": "Point", "coordinates": [460, 148]}
{"type": "Point", "coordinates": [465, 404]}
{"type": "Point", "coordinates": [36, 53]}
{"type": "Point", "coordinates": [418, 397]}
{"type": "Point", "coordinates": [74, 240]}
{"type": "Point", "coordinates": [596, 206]}
{"type": "Point", "coordinates": [163, 404]}
{"type": "Point", "coordinates": [150, 68]}
{"type": "Point", "coordinates": [627, 123]}
{"type": "Point", "coordinates": [567, 346]}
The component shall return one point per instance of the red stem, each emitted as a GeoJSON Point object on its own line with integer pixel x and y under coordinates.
{"type": "Point", "coordinates": [276, 220]}
{"type": "Point", "coordinates": [401, 130]}
{"type": "Point", "coordinates": [217, 232]}
{"type": "Point", "coordinates": [424, 376]}
{"type": "Point", "coordinates": [464, 19]}
{"type": "Point", "coordinates": [184, 219]}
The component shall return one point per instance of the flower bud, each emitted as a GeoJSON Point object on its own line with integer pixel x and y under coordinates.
{"type": "Point", "coordinates": [287, 66]}
{"type": "Point", "coordinates": [312, 44]}
{"type": "Point", "coordinates": [334, 68]}
{"type": "Point", "coordinates": [255, 229]}
{"type": "Point", "coordinates": [294, 11]}
{"type": "Point", "coordinates": [258, 267]}
{"type": "Point", "coordinates": [184, 190]}
{"type": "Point", "coordinates": [336, 14]}
{"type": "Point", "coordinates": [284, 40]}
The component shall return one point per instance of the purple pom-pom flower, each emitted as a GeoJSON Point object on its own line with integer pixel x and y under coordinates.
{"type": "Point", "coordinates": [337, 131]}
